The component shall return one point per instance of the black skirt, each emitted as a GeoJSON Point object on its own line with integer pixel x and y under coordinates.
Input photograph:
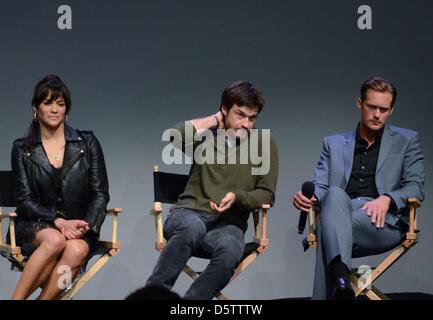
{"type": "Point", "coordinates": [26, 232]}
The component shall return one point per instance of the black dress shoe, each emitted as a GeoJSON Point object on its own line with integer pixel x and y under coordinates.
{"type": "Point", "coordinates": [343, 290]}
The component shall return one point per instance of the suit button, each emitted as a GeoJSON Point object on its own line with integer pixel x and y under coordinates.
{"type": "Point", "coordinates": [82, 151]}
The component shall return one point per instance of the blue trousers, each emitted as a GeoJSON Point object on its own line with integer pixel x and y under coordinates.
{"type": "Point", "coordinates": [346, 230]}
{"type": "Point", "coordinates": [189, 232]}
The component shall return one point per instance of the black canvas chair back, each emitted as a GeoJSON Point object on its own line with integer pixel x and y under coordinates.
{"type": "Point", "coordinates": [7, 199]}
{"type": "Point", "coordinates": [7, 190]}
{"type": "Point", "coordinates": [168, 186]}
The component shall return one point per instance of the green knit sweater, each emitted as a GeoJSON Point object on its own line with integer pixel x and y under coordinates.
{"type": "Point", "coordinates": [211, 181]}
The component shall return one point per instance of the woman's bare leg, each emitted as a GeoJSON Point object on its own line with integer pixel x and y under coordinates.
{"type": "Point", "coordinates": [73, 256]}
{"type": "Point", "coordinates": [50, 244]}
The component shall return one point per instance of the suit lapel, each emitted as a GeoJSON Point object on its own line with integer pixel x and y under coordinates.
{"type": "Point", "coordinates": [385, 146]}
{"type": "Point", "coordinates": [348, 151]}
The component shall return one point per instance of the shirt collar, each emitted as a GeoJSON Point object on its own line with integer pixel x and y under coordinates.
{"type": "Point", "coordinates": [359, 139]}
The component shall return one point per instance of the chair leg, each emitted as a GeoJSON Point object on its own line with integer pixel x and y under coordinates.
{"type": "Point", "coordinates": [70, 293]}
{"type": "Point", "coordinates": [375, 294]}
{"type": "Point", "coordinates": [221, 296]}
{"type": "Point", "coordinates": [244, 264]}
{"type": "Point", "coordinates": [382, 267]}
{"type": "Point", "coordinates": [190, 272]}
{"type": "Point", "coordinates": [372, 293]}
{"type": "Point", "coordinates": [241, 267]}
{"type": "Point", "coordinates": [194, 275]}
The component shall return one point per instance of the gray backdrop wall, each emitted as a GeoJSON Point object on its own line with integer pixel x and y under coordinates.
{"type": "Point", "coordinates": [136, 67]}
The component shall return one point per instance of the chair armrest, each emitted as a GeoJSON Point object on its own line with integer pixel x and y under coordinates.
{"type": "Point", "coordinates": [114, 212]}
{"type": "Point", "coordinates": [260, 227]}
{"type": "Point", "coordinates": [157, 212]}
{"type": "Point", "coordinates": [311, 240]}
{"type": "Point", "coordinates": [313, 213]}
{"type": "Point", "coordinates": [159, 235]}
{"type": "Point", "coordinates": [11, 216]}
{"type": "Point", "coordinates": [109, 244]}
{"type": "Point", "coordinates": [157, 208]}
{"type": "Point", "coordinates": [413, 204]}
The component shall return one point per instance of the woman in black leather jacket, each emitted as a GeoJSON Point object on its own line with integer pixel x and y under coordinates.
{"type": "Point", "coordinates": [61, 189]}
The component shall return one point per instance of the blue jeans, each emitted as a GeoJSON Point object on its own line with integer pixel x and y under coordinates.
{"type": "Point", "coordinates": [189, 232]}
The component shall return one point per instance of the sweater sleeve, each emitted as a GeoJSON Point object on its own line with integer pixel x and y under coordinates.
{"type": "Point", "coordinates": [264, 192]}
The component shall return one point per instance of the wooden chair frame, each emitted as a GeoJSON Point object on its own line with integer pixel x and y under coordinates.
{"type": "Point", "coordinates": [14, 254]}
{"type": "Point", "coordinates": [260, 237]}
{"type": "Point", "coordinates": [364, 283]}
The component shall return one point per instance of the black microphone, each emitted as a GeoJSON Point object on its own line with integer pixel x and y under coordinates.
{"type": "Point", "coordinates": [307, 191]}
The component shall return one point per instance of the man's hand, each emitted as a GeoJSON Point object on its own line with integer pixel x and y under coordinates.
{"type": "Point", "coordinates": [377, 209]}
{"type": "Point", "coordinates": [302, 203]}
{"type": "Point", "coordinates": [72, 229]}
{"type": "Point", "coordinates": [219, 117]}
{"type": "Point", "coordinates": [225, 203]}
{"type": "Point", "coordinates": [213, 121]}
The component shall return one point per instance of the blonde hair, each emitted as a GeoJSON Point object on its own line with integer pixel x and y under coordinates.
{"type": "Point", "coordinates": [378, 84]}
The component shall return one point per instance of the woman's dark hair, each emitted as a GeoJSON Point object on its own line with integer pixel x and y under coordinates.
{"type": "Point", "coordinates": [53, 85]}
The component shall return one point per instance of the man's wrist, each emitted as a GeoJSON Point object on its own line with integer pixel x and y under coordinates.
{"type": "Point", "coordinates": [217, 123]}
{"type": "Point", "coordinates": [392, 204]}
{"type": "Point", "coordinates": [218, 119]}
{"type": "Point", "coordinates": [387, 196]}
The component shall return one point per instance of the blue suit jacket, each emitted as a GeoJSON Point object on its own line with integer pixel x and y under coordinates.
{"type": "Point", "coordinates": [399, 172]}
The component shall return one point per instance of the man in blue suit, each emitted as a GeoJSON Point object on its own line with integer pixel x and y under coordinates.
{"type": "Point", "coordinates": [362, 182]}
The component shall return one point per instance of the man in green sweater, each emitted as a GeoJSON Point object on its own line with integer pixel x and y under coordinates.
{"type": "Point", "coordinates": [234, 170]}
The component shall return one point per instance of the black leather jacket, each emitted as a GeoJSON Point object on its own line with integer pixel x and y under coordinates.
{"type": "Point", "coordinates": [83, 180]}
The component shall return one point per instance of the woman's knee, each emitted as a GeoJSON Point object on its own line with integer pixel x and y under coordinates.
{"type": "Point", "coordinates": [76, 252]}
{"type": "Point", "coordinates": [51, 240]}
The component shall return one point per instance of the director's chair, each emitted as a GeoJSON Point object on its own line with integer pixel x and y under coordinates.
{"type": "Point", "coordinates": [168, 187]}
{"type": "Point", "coordinates": [18, 256]}
{"type": "Point", "coordinates": [362, 278]}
